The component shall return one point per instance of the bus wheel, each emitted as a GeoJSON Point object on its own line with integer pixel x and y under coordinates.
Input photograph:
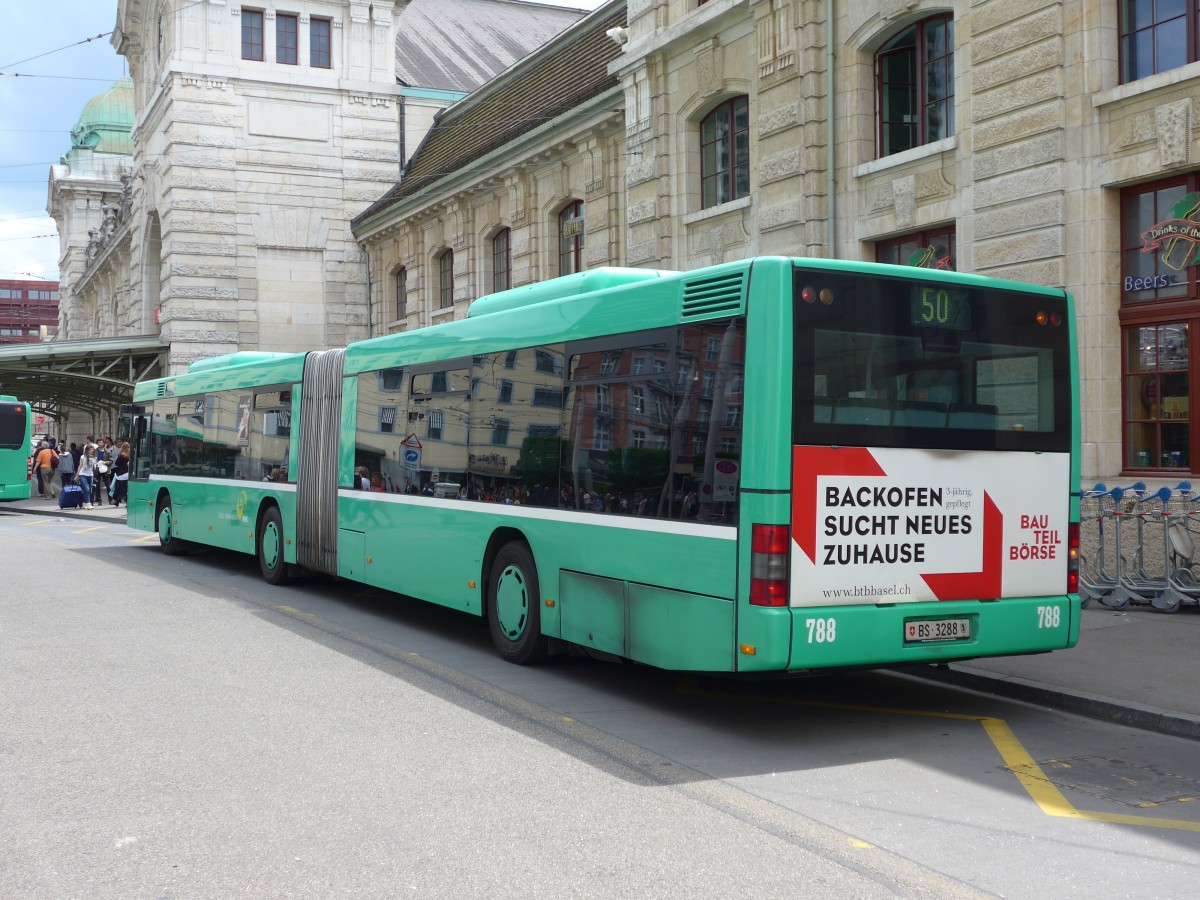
{"type": "Point", "coordinates": [514, 606]}
{"type": "Point", "coordinates": [270, 548]}
{"type": "Point", "coordinates": [168, 539]}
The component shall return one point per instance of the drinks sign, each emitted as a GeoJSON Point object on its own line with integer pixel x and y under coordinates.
{"type": "Point", "coordinates": [1177, 239]}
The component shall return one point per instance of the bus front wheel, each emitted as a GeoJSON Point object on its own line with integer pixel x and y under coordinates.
{"type": "Point", "coordinates": [270, 548]}
{"type": "Point", "coordinates": [168, 535]}
{"type": "Point", "coordinates": [514, 606]}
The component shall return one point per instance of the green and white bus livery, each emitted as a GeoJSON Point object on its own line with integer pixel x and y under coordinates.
{"type": "Point", "coordinates": [774, 465]}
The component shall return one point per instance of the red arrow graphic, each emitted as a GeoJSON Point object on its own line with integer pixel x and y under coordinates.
{"type": "Point", "coordinates": [809, 464]}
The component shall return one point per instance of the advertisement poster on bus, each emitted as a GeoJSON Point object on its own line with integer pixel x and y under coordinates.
{"type": "Point", "coordinates": [904, 525]}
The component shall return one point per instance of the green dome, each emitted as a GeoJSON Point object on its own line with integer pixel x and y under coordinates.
{"type": "Point", "coordinates": [106, 121]}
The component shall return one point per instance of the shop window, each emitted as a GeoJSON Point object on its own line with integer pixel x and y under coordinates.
{"type": "Point", "coordinates": [570, 231]}
{"type": "Point", "coordinates": [1157, 36]}
{"type": "Point", "coordinates": [915, 84]}
{"type": "Point", "coordinates": [725, 153]}
{"type": "Point", "coordinates": [932, 249]}
{"type": "Point", "coordinates": [1156, 392]}
{"type": "Point", "coordinates": [1157, 253]}
{"type": "Point", "coordinates": [1160, 262]}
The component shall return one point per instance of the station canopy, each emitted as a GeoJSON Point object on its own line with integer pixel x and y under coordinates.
{"type": "Point", "coordinates": [90, 376]}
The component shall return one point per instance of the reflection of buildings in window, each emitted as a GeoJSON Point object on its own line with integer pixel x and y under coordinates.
{"type": "Point", "coordinates": [387, 419]}
{"type": "Point", "coordinates": [436, 422]}
{"type": "Point", "coordinates": [500, 431]}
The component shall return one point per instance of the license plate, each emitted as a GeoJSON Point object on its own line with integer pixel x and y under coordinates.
{"type": "Point", "coordinates": [937, 630]}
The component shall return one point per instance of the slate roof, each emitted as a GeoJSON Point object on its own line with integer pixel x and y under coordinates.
{"type": "Point", "coordinates": [550, 82]}
{"type": "Point", "coordinates": [458, 45]}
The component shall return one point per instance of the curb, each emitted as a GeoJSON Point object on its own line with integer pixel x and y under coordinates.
{"type": "Point", "coordinates": [1129, 714]}
{"type": "Point", "coordinates": [86, 516]}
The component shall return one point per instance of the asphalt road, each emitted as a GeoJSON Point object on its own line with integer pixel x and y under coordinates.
{"type": "Point", "coordinates": [173, 727]}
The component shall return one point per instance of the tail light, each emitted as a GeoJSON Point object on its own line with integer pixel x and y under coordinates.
{"type": "Point", "coordinates": [1073, 558]}
{"type": "Point", "coordinates": [769, 547]}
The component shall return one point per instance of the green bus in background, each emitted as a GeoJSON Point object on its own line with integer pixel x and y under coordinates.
{"type": "Point", "coordinates": [773, 465]}
{"type": "Point", "coordinates": [15, 449]}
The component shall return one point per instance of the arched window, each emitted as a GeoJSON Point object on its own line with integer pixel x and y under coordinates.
{"type": "Point", "coordinates": [570, 236]}
{"type": "Point", "coordinates": [401, 293]}
{"type": "Point", "coordinates": [915, 75]}
{"type": "Point", "coordinates": [502, 260]}
{"type": "Point", "coordinates": [446, 280]}
{"type": "Point", "coordinates": [725, 153]}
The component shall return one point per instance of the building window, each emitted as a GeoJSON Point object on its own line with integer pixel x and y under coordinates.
{"type": "Point", "coordinates": [1157, 36]}
{"type": "Point", "coordinates": [570, 236]}
{"type": "Point", "coordinates": [725, 153]}
{"type": "Point", "coordinates": [915, 76]}
{"type": "Point", "coordinates": [500, 431]}
{"type": "Point", "coordinates": [387, 419]}
{"type": "Point", "coordinates": [1160, 306]}
{"type": "Point", "coordinates": [933, 249]}
{"type": "Point", "coordinates": [733, 416]}
{"type": "Point", "coordinates": [505, 394]}
{"type": "Point", "coordinates": [401, 293]}
{"type": "Point", "coordinates": [436, 423]}
{"type": "Point", "coordinates": [550, 397]}
{"type": "Point", "coordinates": [446, 280]}
{"type": "Point", "coordinates": [510, 359]}
{"type": "Point", "coordinates": [501, 261]}
{"type": "Point", "coordinates": [287, 35]}
{"type": "Point", "coordinates": [320, 55]}
{"type": "Point", "coordinates": [637, 400]}
{"type": "Point", "coordinates": [252, 34]}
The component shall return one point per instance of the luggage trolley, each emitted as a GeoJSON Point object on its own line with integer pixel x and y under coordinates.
{"type": "Point", "coordinates": [1183, 585]}
{"type": "Point", "coordinates": [1095, 581]}
{"type": "Point", "coordinates": [1134, 583]}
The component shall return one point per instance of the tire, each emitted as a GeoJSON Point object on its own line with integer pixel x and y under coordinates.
{"type": "Point", "coordinates": [168, 539]}
{"type": "Point", "coordinates": [269, 544]}
{"type": "Point", "coordinates": [515, 606]}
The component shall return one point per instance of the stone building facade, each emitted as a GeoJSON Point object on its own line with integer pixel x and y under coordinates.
{"type": "Point", "coordinates": [258, 132]}
{"type": "Point", "coordinates": [1035, 140]}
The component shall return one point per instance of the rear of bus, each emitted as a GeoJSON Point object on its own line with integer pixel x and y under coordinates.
{"type": "Point", "coordinates": [934, 434]}
{"type": "Point", "coordinates": [14, 449]}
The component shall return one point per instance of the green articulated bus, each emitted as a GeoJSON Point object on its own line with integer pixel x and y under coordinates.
{"type": "Point", "coordinates": [773, 465]}
{"type": "Point", "coordinates": [15, 449]}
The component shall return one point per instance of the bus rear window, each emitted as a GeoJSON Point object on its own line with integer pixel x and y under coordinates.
{"type": "Point", "coordinates": [893, 362]}
{"type": "Point", "coordinates": [14, 426]}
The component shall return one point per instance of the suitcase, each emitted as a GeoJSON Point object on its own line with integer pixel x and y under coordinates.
{"type": "Point", "coordinates": [71, 497]}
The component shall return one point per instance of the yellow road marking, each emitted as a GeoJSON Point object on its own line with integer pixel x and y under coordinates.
{"type": "Point", "coordinates": [144, 538]}
{"type": "Point", "coordinates": [1016, 759]}
{"type": "Point", "coordinates": [93, 528]}
{"type": "Point", "coordinates": [292, 611]}
{"type": "Point", "coordinates": [37, 522]}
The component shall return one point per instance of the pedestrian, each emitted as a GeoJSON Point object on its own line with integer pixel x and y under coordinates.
{"type": "Point", "coordinates": [87, 472]}
{"type": "Point", "coordinates": [46, 462]}
{"type": "Point", "coordinates": [102, 474]}
{"type": "Point", "coordinates": [121, 476]}
{"type": "Point", "coordinates": [66, 466]}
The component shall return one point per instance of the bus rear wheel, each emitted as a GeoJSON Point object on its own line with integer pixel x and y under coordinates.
{"type": "Point", "coordinates": [168, 537]}
{"type": "Point", "coordinates": [514, 606]}
{"type": "Point", "coordinates": [270, 548]}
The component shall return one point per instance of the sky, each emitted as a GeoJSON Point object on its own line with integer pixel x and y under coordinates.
{"type": "Point", "coordinates": [40, 101]}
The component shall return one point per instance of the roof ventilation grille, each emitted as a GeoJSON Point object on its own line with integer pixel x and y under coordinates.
{"type": "Point", "coordinates": [715, 295]}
